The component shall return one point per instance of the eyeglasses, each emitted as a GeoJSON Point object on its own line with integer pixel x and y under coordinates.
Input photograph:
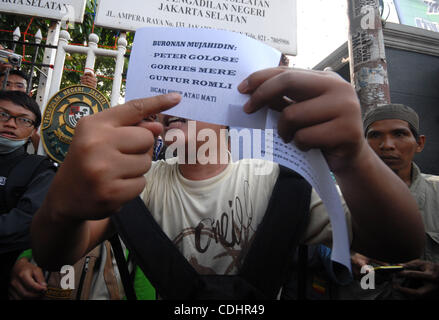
{"type": "Point", "coordinates": [20, 121]}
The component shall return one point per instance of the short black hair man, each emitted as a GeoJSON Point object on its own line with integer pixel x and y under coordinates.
{"type": "Point", "coordinates": [20, 117]}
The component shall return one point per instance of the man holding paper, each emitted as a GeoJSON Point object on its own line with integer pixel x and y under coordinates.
{"type": "Point", "coordinates": [211, 210]}
{"type": "Point", "coordinates": [108, 158]}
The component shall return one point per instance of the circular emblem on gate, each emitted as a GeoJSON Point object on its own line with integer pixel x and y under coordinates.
{"type": "Point", "coordinates": [63, 112]}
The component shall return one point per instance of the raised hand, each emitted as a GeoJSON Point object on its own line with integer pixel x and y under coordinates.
{"type": "Point", "coordinates": [319, 110]}
{"type": "Point", "coordinates": [107, 159]}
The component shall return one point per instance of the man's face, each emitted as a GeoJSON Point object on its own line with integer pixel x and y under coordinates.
{"type": "Point", "coordinates": [393, 141]}
{"type": "Point", "coordinates": [15, 83]}
{"type": "Point", "coordinates": [16, 128]}
{"type": "Point", "coordinates": [171, 122]}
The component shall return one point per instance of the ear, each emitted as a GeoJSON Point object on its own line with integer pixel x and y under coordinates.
{"type": "Point", "coordinates": [420, 143]}
{"type": "Point", "coordinates": [31, 133]}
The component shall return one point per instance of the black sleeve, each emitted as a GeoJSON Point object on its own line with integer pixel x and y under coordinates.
{"type": "Point", "coordinates": [15, 224]}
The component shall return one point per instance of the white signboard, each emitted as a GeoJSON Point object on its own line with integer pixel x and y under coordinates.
{"type": "Point", "coordinates": [64, 10]}
{"type": "Point", "coordinates": [271, 21]}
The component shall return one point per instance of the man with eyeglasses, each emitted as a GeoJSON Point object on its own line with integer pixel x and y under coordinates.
{"type": "Point", "coordinates": [24, 178]}
{"type": "Point", "coordinates": [17, 81]}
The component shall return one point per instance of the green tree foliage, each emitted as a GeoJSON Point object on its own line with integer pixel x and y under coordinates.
{"type": "Point", "coordinates": [79, 33]}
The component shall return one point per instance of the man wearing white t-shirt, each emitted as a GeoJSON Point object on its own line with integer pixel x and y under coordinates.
{"type": "Point", "coordinates": [108, 158]}
{"type": "Point", "coordinates": [211, 211]}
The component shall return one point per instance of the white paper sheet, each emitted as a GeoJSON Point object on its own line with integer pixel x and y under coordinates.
{"type": "Point", "coordinates": [312, 166]}
{"type": "Point", "coordinates": [204, 65]}
{"type": "Point", "coordinates": [174, 59]}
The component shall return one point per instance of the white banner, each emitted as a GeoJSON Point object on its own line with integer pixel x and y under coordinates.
{"type": "Point", "coordinates": [64, 10]}
{"type": "Point", "coordinates": [271, 21]}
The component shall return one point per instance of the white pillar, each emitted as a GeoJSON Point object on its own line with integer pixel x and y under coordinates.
{"type": "Point", "coordinates": [93, 40]}
{"type": "Point", "coordinates": [64, 38]}
{"type": "Point", "coordinates": [118, 69]}
{"type": "Point", "coordinates": [48, 59]}
{"type": "Point", "coordinates": [16, 35]}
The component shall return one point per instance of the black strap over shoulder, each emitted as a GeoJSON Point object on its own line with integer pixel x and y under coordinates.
{"type": "Point", "coordinates": [123, 268]}
{"type": "Point", "coordinates": [269, 257]}
{"type": "Point", "coordinates": [264, 269]}
{"type": "Point", "coordinates": [166, 268]}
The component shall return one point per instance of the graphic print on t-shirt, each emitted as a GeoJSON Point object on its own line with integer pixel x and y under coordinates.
{"type": "Point", "coordinates": [233, 231]}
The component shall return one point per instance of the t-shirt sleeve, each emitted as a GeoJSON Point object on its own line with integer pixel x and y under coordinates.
{"type": "Point", "coordinates": [15, 224]}
{"type": "Point", "coordinates": [319, 229]}
{"type": "Point", "coordinates": [155, 177]}
{"type": "Point", "coordinates": [150, 177]}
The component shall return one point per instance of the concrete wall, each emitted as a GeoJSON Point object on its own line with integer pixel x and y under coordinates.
{"type": "Point", "coordinates": [414, 81]}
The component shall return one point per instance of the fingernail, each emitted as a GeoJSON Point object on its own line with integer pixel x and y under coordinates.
{"type": "Point", "coordinates": [243, 86]}
{"type": "Point", "coordinates": [174, 96]}
{"type": "Point", "coordinates": [246, 107]}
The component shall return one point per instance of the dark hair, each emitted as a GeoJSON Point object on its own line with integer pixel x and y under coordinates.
{"type": "Point", "coordinates": [22, 99]}
{"type": "Point", "coordinates": [16, 72]}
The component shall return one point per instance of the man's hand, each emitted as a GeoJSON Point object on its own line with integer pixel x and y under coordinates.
{"type": "Point", "coordinates": [321, 110]}
{"type": "Point", "coordinates": [357, 262]}
{"type": "Point", "coordinates": [27, 281]}
{"type": "Point", "coordinates": [89, 79]}
{"type": "Point", "coordinates": [104, 168]}
{"type": "Point", "coordinates": [421, 279]}
{"type": "Point", "coordinates": [107, 159]}
{"type": "Point", "coordinates": [5, 66]}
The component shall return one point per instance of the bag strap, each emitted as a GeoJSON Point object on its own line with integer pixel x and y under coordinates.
{"type": "Point", "coordinates": [123, 268]}
{"type": "Point", "coordinates": [159, 257]}
{"type": "Point", "coordinates": [109, 274]}
{"type": "Point", "coordinates": [87, 273]}
{"type": "Point", "coordinates": [278, 234]}
{"type": "Point", "coordinates": [275, 239]}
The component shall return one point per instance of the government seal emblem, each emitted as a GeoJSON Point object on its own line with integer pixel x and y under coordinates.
{"type": "Point", "coordinates": [62, 114]}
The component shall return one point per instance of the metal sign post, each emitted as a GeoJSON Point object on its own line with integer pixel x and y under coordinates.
{"type": "Point", "coordinates": [367, 57]}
